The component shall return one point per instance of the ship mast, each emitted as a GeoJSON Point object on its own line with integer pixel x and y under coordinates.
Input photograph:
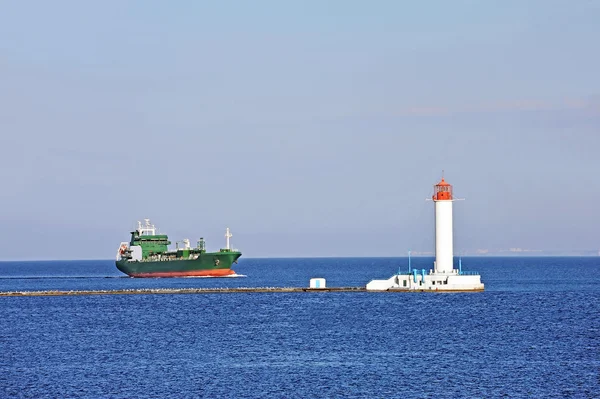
{"type": "Point", "coordinates": [228, 236]}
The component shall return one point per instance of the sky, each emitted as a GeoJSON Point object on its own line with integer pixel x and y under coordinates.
{"type": "Point", "coordinates": [309, 128]}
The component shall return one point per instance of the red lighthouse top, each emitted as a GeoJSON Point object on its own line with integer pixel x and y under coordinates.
{"type": "Point", "coordinates": [442, 191]}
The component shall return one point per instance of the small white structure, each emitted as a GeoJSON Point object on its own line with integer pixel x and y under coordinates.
{"type": "Point", "coordinates": [443, 276]}
{"type": "Point", "coordinates": [317, 283]}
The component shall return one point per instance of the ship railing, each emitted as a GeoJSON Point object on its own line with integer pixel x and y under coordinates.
{"type": "Point", "coordinates": [468, 273]}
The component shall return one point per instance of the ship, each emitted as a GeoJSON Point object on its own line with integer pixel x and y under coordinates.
{"type": "Point", "coordinates": [147, 254]}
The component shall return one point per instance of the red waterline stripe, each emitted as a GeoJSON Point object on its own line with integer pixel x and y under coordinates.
{"type": "Point", "coordinates": [190, 273]}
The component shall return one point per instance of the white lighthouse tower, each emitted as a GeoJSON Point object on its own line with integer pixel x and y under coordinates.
{"type": "Point", "coordinates": [443, 276]}
{"type": "Point", "coordinates": [444, 246]}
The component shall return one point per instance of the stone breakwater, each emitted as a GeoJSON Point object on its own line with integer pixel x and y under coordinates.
{"type": "Point", "coordinates": [143, 291]}
{"type": "Point", "coordinates": [182, 291]}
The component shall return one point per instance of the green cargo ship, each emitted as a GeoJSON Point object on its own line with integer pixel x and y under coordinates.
{"type": "Point", "coordinates": [147, 255]}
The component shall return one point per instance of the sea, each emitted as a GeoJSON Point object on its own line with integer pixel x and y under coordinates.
{"type": "Point", "coordinates": [533, 333]}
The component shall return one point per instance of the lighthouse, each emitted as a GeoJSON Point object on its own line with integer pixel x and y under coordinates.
{"type": "Point", "coordinates": [443, 276]}
{"type": "Point", "coordinates": [444, 246]}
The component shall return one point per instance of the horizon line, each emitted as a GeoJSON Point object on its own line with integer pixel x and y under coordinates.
{"type": "Point", "coordinates": [514, 255]}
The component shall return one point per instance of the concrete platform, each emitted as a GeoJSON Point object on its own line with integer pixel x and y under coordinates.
{"type": "Point", "coordinates": [455, 281]}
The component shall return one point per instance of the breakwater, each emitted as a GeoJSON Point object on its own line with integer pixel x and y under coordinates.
{"type": "Point", "coordinates": [170, 291]}
{"type": "Point", "coordinates": [147, 291]}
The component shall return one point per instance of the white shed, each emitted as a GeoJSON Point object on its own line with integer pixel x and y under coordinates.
{"type": "Point", "coordinates": [317, 283]}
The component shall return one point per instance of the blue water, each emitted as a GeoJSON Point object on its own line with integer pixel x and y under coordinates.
{"type": "Point", "coordinates": [533, 333]}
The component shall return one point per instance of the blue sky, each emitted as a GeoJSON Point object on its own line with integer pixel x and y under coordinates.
{"type": "Point", "coordinates": [313, 128]}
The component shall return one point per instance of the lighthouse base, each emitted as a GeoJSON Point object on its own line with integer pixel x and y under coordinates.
{"type": "Point", "coordinates": [455, 281]}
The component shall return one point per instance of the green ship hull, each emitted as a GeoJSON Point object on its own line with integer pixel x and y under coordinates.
{"type": "Point", "coordinates": [147, 255]}
{"type": "Point", "coordinates": [215, 264]}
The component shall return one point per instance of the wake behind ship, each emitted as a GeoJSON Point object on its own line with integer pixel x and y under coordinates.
{"type": "Point", "coordinates": [147, 255]}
